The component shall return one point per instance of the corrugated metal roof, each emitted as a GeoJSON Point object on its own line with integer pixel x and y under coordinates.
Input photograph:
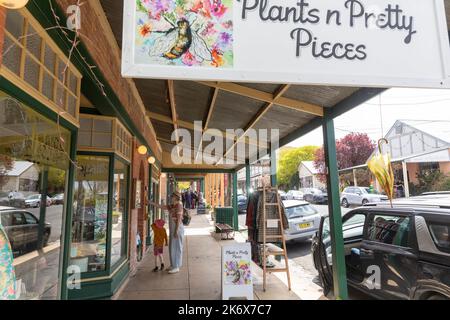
{"type": "Point", "coordinates": [440, 129]}
{"type": "Point", "coordinates": [19, 168]}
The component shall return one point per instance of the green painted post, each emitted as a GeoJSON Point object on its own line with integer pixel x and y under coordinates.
{"type": "Point", "coordinates": [273, 168]}
{"type": "Point", "coordinates": [43, 207]}
{"type": "Point", "coordinates": [235, 203]}
{"type": "Point", "coordinates": [334, 208]}
{"type": "Point", "coordinates": [247, 177]}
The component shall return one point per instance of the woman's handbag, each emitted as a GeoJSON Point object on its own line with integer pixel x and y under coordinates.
{"type": "Point", "coordinates": [186, 217]}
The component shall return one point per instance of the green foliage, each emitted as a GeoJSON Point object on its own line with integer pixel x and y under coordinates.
{"type": "Point", "coordinates": [430, 181]}
{"type": "Point", "coordinates": [140, 7]}
{"type": "Point", "coordinates": [289, 160]}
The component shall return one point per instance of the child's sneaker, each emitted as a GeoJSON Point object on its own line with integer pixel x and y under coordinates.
{"type": "Point", "coordinates": [162, 266]}
{"type": "Point", "coordinates": [156, 269]}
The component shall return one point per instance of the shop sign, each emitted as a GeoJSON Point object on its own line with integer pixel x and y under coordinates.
{"type": "Point", "coordinates": [379, 43]}
{"type": "Point", "coordinates": [237, 282]}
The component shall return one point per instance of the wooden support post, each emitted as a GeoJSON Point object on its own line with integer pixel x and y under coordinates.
{"type": "Point", "coordinates": [222, 190]}
{"type": "Point", "coordinates": [355, 181]}
{"type": "Point", "coordinates": [334, 208]}
{"type": "Point", "coordinates": [235, 203]}
{"type": "Point", "coordinates": [273, 168]}
{"type": "Point", "coordinates": [405, 179]}
{"type": "Point", "coordinates": [247, 177]}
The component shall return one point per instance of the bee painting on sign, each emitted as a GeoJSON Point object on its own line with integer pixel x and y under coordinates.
{"type": "Point", "coordinates": [179, 40]}
{"type": "Point", "coordinates": [185, 33]}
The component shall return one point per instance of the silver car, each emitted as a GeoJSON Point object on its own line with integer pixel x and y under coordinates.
{"type": "Point", "coordinates": [360, 196]}
{"type": "Point", "coordinates": [303, 218]}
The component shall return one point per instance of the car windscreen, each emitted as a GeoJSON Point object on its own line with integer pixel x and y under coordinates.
{"type": "Point", "coordinates": [300, 211]}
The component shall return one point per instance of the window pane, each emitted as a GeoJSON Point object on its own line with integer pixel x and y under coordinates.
{"type": "Point", "coordinates": [89, 225]}
{"type": "Point", "coordinates": [390, 230]}
{"type": "Point", "coordinates": [26, 158]}
{"type": "Point", "coordinates": [33, 42]}
{"type": "Point", "coordinates": [11, 55]}
{"type": "Point", "coordinates": [31, 72]}
{"type": "Point", "coordinates": [47, 85]}
{"type": "Point", "coordinates": [14, 23]}
{"type": "Point", "coordinates": [119, 207]}
{"type": "Point", "coordinates": [441, 236]}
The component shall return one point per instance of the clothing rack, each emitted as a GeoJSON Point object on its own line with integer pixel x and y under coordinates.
{"type": "Point", "coordinates": [269, 249]}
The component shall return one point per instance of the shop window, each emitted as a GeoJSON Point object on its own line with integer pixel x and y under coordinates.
{"type": "Point", "coordinates": [119, 211]}
{"type": "Point", "coordinates": [90, 215]}
{"type": "Point", "coordinates": [31, 158]}
{"type": "Point", "coordinates": [32, 61]}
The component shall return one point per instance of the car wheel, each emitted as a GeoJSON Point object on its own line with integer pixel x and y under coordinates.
{"type": "Point", "coordinates": [38, 205]}
{"type": "Point", "coordinates": [345, 203]}
{"type": "Point", "coordinates": [364, 202]}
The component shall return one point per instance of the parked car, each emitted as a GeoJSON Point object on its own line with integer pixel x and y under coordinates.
{"type": "Point", "coordinates": [12, 199]}
{"type": "Point", "coordinates": [295, 195]}
{"type": "Point", "coordinates": [303, 220]}
{"type": "Point", "coordinates": [283, 195]}
{"type": "Point", "coordinates": [360, 196]}
{"type": "Point", "coordinates": [34, 201]}
{"type": "Point", "coordinates": [58, 199]}
{"type": "Point", "coordinates": [409, 245]}
{"type": "Point", "coordinates": [242, 204]}
{"type": "Point", "coordinates": [315, 195]}
{"type": "Point", "coordinates": [22, 229]}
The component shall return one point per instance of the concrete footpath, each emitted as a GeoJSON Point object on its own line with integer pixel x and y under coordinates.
{"type": "Point", "coordinates": [200, 276]}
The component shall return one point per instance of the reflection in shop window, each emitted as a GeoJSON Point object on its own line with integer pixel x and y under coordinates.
{"type": "Point", "coordinates": [119, 207]}
{"type": "Point", "coordinates": [31, 155]}
{"type": "Point", "coordinates": [90, 215]}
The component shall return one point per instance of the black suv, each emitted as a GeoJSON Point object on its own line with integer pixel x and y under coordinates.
{"type": "Point", "coordinates": [22, 229]}
{"type": "Point", "coordinates": [392, 253]}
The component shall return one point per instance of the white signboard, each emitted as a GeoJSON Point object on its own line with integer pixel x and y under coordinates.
{"type": "Point", "coordinates": [380, 43]}
{"type": "Point", "coordinates": [237, 282]}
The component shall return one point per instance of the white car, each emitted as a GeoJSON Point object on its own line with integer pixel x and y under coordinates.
{"type": "Point", "coordinates": [303, 218]}
{"type": "Point", "coordinates": [294, 195]}
{"type": "Point", "coordinates": [360, 196]}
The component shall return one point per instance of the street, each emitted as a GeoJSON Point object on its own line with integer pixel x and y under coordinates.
{"type": "Point", "coordinates": [299, 254]}
{"type": "Point", "coordinates": [54, 215]}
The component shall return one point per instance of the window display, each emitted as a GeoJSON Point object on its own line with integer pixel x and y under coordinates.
{"type": "Point", "coordinates": [90, 215]}
{"type": "Point", "coordinates": [119, 211]}
{"type": "Point", "coordinates": [33, 168]}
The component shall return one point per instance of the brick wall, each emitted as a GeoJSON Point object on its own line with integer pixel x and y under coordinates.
{"type": "Point", "coordinates": [138, 221]}
{"type": "Point", "coordinates": [2, 33]}
{"type": "Point", "coordinates": [105, 56]}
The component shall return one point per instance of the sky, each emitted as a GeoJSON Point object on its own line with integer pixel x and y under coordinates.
{"type": "Point", "coordinates": [396, 104]}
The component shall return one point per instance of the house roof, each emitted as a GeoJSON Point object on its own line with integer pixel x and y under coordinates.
{"type": "Point", "coordinates": [19, 168]}
{"type": "Point", "coordinates": [439, 129]}
{"type": "Point", "coordinates": [310, 166]}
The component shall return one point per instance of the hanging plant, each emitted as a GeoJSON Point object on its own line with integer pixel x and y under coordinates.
{"type": "Point", "coordinates": [381, 167]}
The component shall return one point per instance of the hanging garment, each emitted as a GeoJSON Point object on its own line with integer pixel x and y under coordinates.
{"type": "Point", "coordinates": [176, 246]}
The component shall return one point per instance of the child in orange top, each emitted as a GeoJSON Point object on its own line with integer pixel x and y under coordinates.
{"type": "Point", "coordinates": [160, 239]}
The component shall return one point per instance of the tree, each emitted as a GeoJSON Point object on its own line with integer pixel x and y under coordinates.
{"type": "Point", "coordinates": [289, 160]}
{"type": "Point", "coordinates": [352, 150]}
{"type": "Point", "coordinates": [6, 165]}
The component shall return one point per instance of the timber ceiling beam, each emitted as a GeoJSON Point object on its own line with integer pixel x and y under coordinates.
{"type": "Point", "coordinates": [173, 110]}
{"type": "Point", "coordinates": [255, 94]}
{"type": "Point", "coordinates": [258, 116]}
{"type": "Point", "coordinates": [190, 126]}
{"type": "Point", "coordinates": [208, 117]}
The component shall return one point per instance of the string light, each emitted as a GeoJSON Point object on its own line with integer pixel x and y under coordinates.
{"type": "Point", "coordinates": [13, 4]}
{"type": "Point", "coordinates": [151, 160]}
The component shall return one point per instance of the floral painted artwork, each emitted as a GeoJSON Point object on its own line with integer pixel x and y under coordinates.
{"type": "Point", "coordinates": [193, 33]}
{"type": "Point", "coordinates": [237, 273]}
{"type": "Point", "coordinates": [7, 273]}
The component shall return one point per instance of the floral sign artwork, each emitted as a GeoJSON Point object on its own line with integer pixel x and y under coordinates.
{"type": "Point", "coordinates": [193, 33]}
{"type": "Point", "coordinates": [237, 273]}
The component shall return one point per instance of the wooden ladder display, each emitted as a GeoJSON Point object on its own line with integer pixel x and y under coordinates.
{"type": "Point", "coordinates": [269, 249]}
